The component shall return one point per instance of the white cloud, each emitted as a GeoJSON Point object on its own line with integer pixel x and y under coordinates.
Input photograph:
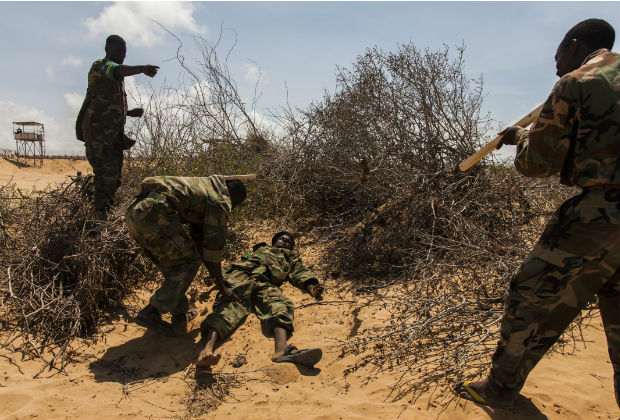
{"type": "Point", "coordinates": [49, 73]}
{"type": "Point", "coordinates": [72, 61]}
{"type": "Point", "coordinates": [74, 102]}
{"type": "Point", "coordinates": [251, 73]}
{"type": "Point", "coordinates": [266, 124]}
{"type": "Point", "coordinates": [134, 21]}
{"type": "Point", "coordinates": [59, 134]}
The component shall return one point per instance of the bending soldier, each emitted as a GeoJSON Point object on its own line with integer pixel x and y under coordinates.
{"type": "Point", "coordinates": [255, 280]}
{"type": "Point", "coordinates": [158, 219]}
{"type": "Point", "coordinates": [101, 121]}
{"type": "Point", "coordinates": [578, 254]}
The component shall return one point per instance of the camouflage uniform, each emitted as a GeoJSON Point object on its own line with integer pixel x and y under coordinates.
{"type": "Point", "coordinates": [578, 255]}
{"type": "Point", "coordinates": [255, 279]}
{"type": "Point", "coordinates": [100, 125]}
{"type": "Point", "coordinates": [157, 220]}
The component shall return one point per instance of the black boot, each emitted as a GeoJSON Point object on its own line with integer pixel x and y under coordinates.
{"type": "Point", "coordinates": [150, 317]}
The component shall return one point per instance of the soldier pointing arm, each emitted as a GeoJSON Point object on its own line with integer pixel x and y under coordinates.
{"type": "Point", "coordinates": [101, 120]}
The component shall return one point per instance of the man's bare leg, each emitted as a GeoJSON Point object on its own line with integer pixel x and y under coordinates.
{"type": "Point", "coordinates": [279, 340]}
{"type": "Point", "coordinates": [207, 357]}
{"type": "Point", "coordinates": [291, 354]}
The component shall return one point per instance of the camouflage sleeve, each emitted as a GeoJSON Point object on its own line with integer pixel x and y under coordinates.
{"type": "Point", "coordinates": [301, 276]}
{"type": "Point", "coordinates": [106, 68]}
{"type": "Point", "coordinates": [542, 150]}
{"type": "Point", "coordinates": [214, 235]}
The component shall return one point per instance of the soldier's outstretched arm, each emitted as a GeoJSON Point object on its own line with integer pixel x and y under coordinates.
{"type": "Point", "coordinates": [302, 277]}
{"type": "Point", "coordinates": [123, 70]}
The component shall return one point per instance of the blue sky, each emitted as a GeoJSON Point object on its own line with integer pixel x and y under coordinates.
{"type": "Point", "coordinates": [49, 47]}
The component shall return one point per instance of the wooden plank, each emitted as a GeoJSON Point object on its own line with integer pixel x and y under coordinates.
{"type": "Point", "coordinates": [248, 176]}
{"type": "Point", "coordinates": [492, 145]}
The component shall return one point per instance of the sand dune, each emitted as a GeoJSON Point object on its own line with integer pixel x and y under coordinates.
{"type": "Point", "coordinates": [27, 177]}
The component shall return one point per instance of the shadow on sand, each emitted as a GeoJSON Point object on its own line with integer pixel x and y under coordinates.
{"type": "Point", "coordinates": [524, 409]}
{"type": "Point", "coordinates": [155, 356]}
{"type": "Point", "coordinates": [17, 162]}
{"type": "Point", "coordinates": [149, 356]}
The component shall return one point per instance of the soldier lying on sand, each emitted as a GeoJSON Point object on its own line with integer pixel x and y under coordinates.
{"type": "Point", "coordinates": [255, 281]}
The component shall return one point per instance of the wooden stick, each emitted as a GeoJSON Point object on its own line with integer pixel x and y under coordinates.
{"type": "Point", "coordinates": [249, 176]}
{"type": "Point", "coordinates": [492, 145]}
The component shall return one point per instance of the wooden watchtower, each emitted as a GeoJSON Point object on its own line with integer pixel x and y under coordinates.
{"type": "Point", "coordinates": [29, 140]}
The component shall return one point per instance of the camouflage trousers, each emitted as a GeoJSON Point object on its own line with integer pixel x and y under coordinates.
{"type": "Point", "coordinates": [157, 228]}
{"type": "Point", "coordinates": [257, 296]}
{"type": "Point", "coordinates": [576, 259]}
{"type": "Point", "coordinates": [105, 155]}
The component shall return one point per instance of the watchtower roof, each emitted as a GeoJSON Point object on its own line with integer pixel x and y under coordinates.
{"type": "Point", "coordinates": [27, 123]}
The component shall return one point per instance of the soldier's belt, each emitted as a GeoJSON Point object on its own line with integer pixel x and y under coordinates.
{"type": "Point", "coordinates": [601, 187]}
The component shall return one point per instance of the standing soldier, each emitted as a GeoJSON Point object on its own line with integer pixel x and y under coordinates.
{"type": "Point", "coordinates": [101, 121]}
{"type": "Point", "coordinates": [159, 219]}
{"type": "Point", "coordinates": [577, 136]}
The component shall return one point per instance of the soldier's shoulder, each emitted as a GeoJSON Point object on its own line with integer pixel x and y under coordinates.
{"type": "Point", "coordinates": [97, 64]}
{"type": "Point", "coordinates": [595, 67]}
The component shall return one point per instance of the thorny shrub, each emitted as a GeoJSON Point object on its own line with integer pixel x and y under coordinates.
{"type": "Point", "coordinates": [371, 169]}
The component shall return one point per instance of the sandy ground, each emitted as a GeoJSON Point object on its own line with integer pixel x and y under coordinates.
{"type": "Point", "coordinates": [127, 372]}
{"type": "Point", "coordinates": [27, 177]}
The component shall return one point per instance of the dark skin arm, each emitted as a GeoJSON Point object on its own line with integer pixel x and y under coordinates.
{"type": "Point", "coordinates": [315, 290]}
{"type": "Point", "coordinates": [215, 270]}
{"type": "Point", "coordinates": [508, 136]}
{"type": "Point", "coordinates": [124, 70]}
{"type": "Point", "coordinates": [136, 112]}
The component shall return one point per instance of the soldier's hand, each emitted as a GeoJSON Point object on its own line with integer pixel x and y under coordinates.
{"type": "Point", "coordinates": [149, 70]}
{"type": "Point", "coordinates": [509, 136]}
{"type": "Point", "coordinates": [315, 290]}
{"type": "Point", "coordinates": [136, 112]}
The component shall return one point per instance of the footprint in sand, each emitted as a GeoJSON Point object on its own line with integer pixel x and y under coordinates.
{"type": "Point", "coordinates": [12, 402]}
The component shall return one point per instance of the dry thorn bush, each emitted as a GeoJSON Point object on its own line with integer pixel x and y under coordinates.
{"type": "Point", "coordinates": [371, 170]}
{"type": "Point", "coordinates": [61, 270]}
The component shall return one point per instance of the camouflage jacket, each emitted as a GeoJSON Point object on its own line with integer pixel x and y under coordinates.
{"type": "Point", "coordinates": [577, 134]}
{"type": "Point", "coordinates": [106, 102]}
{"type": "Point", "coordinates": [277, 264]}
{"type": "Point", "coordinates": [203, 203]}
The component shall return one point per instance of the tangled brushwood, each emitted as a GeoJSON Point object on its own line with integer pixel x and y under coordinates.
{"type": "Point", "coordinates": [452, 249]}
{"type": "Point", "coordinates": [371, 170]}
{"type": "Point", "coordinates": [62, 271]}
{"type": "Point", "coordinates": [207, 390]}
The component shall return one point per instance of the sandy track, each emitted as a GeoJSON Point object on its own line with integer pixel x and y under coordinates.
{"type": "Point", "coordinates": [28, 177]}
